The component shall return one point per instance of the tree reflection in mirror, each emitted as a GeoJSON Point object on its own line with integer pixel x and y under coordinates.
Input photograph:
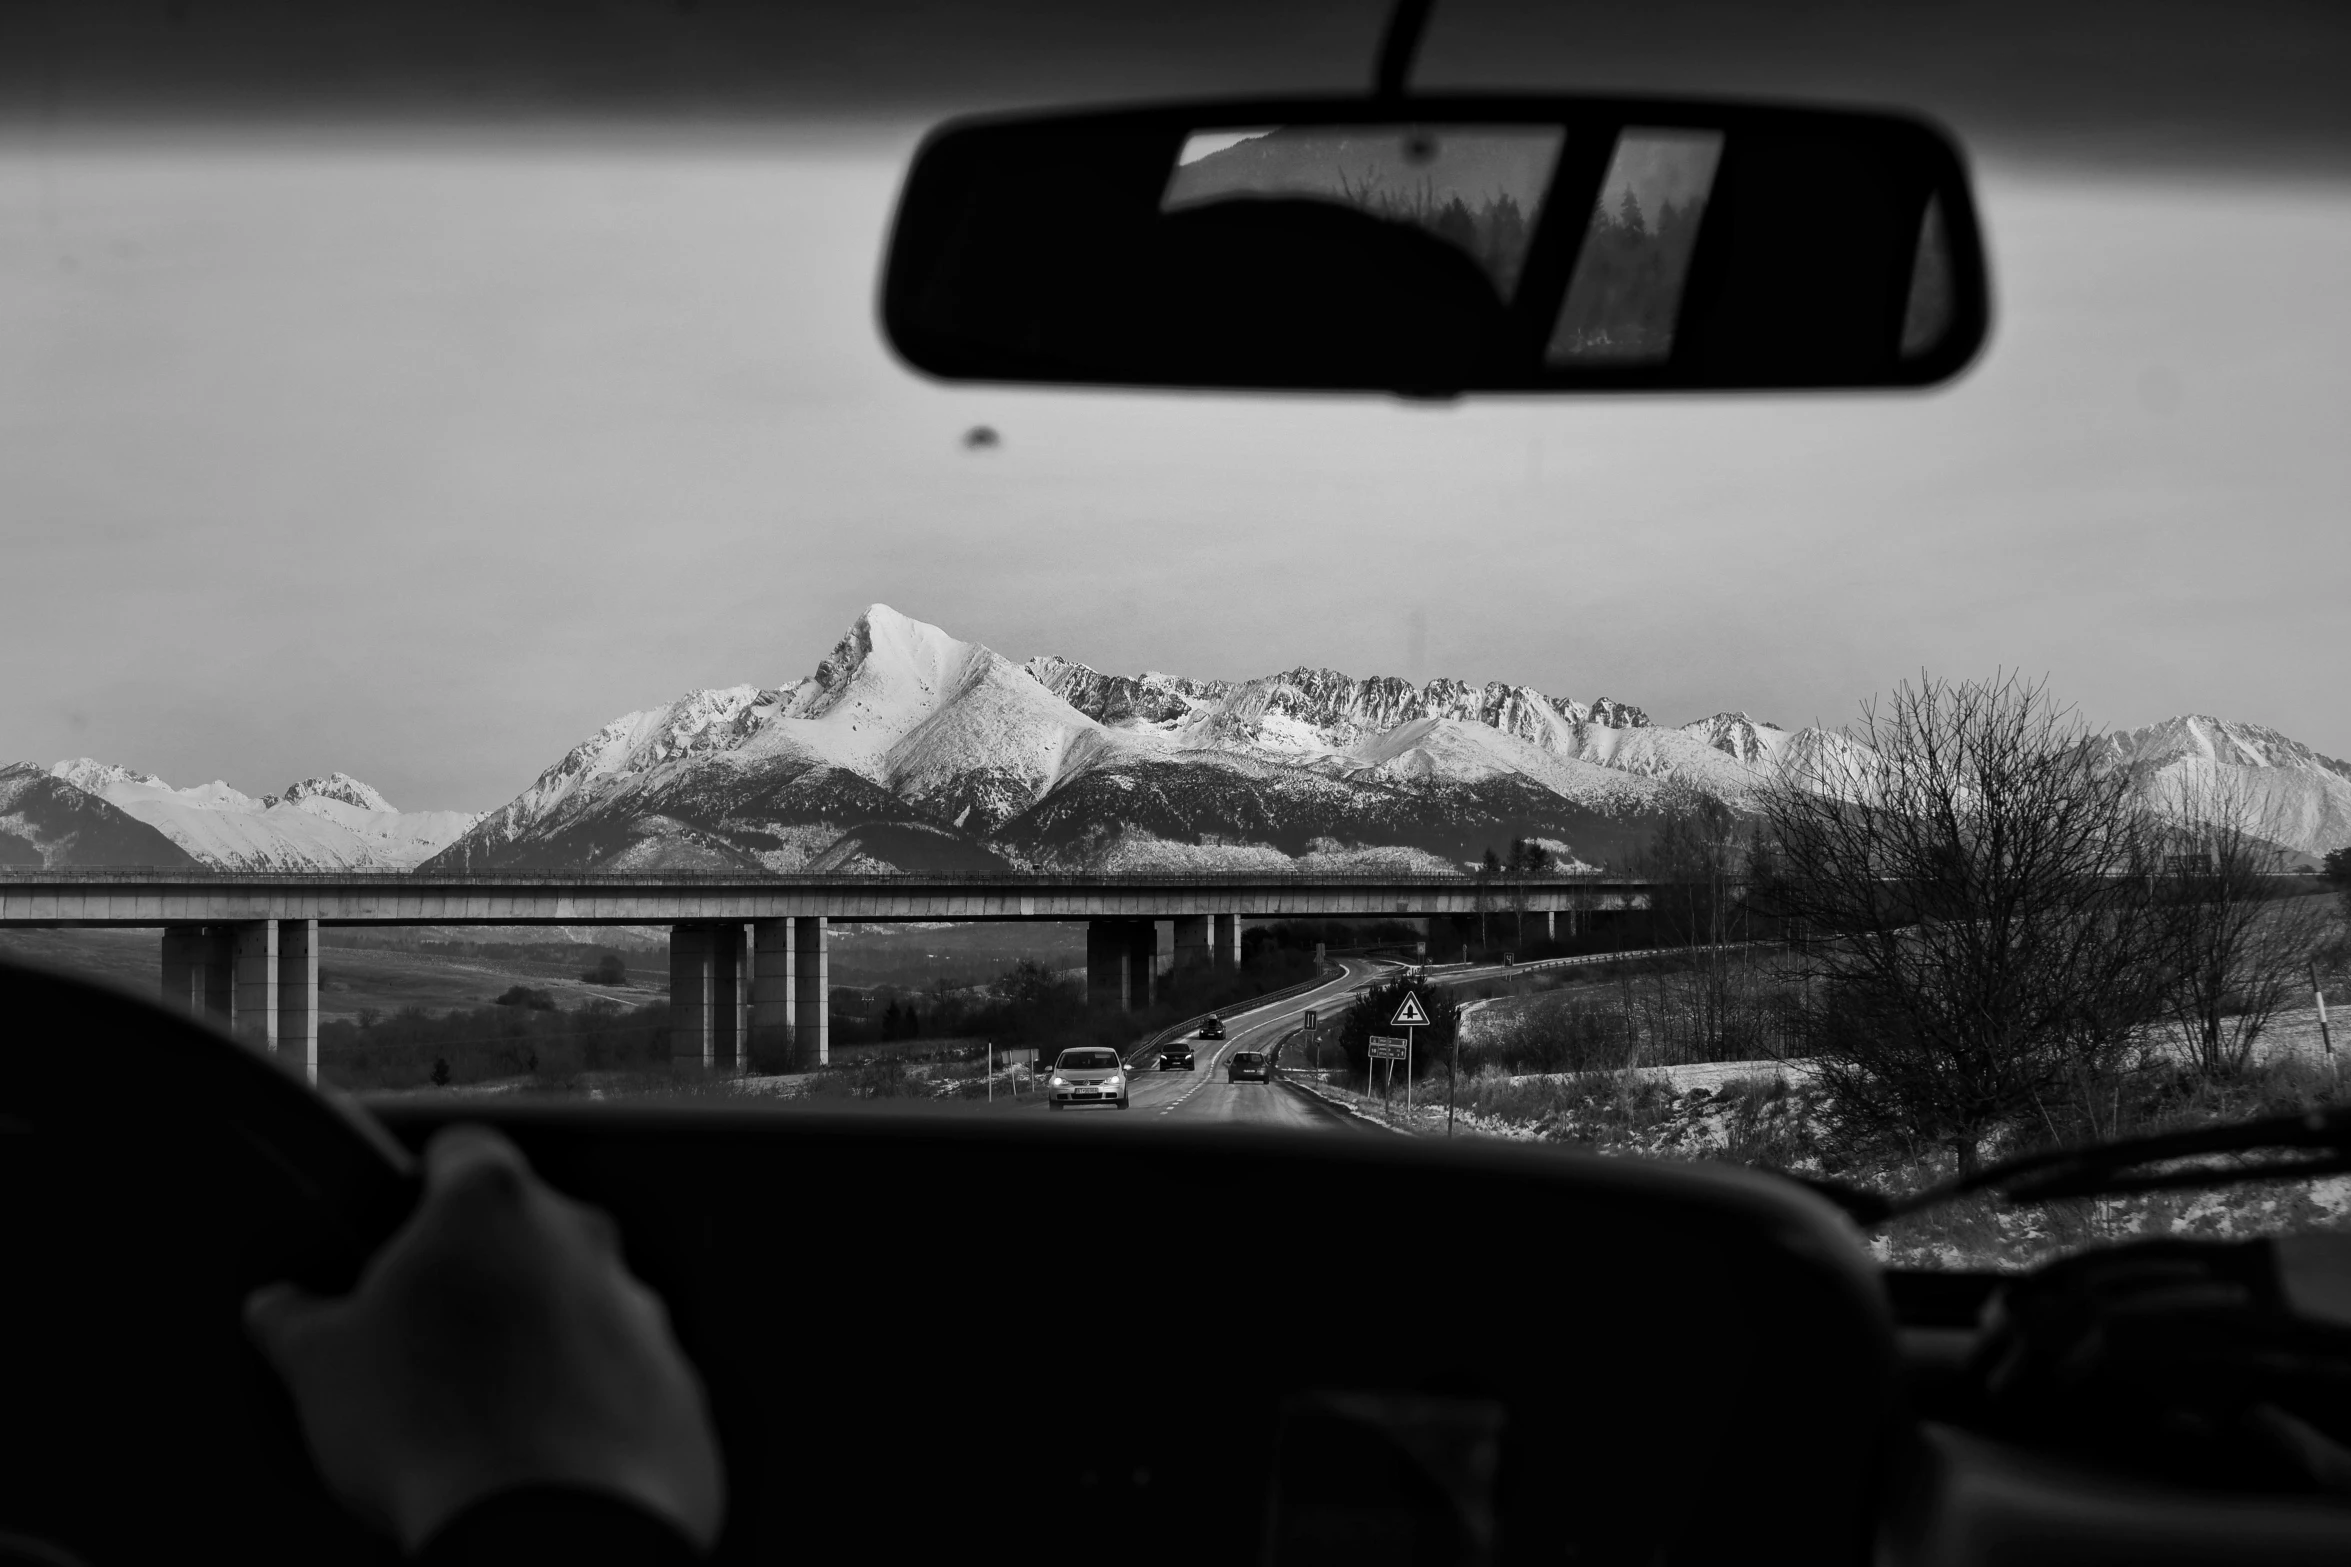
{"type": "Point", "coordinates": [1479, 188]}
{"type": "Point", "coordinates": [1627, 287]}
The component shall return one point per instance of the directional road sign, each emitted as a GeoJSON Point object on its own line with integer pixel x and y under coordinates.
{"type": "Point", "coordinates": [1410, 1015]}
{"type": "Point", "coordinates": [1385, 1049]}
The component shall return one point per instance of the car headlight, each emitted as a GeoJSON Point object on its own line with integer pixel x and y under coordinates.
{"type": "Point", "coordinates": [1116, 1085]}
{"type": "Point", "coordinates": [1059, 1081]}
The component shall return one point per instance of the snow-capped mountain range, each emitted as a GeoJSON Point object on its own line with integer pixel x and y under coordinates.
{"type": "Point", "coordinates": [317, 824]}
{"type": "Point", "coordinates": [2290, 794]}
{"type": "Point", "coordinates": [910, 749]}
{"type": "Point", "coordinates": [45, 821]}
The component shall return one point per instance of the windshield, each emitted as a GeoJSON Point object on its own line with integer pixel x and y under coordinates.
{"type": "Point", "coordinates": [513, 527]}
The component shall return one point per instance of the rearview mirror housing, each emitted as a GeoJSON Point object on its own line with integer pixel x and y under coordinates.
{"type": "Point", "coordinates": [1433, 246]}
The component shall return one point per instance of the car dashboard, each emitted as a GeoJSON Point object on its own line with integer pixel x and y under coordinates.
{"type": "Point", "coordinates": [1458, 1353]}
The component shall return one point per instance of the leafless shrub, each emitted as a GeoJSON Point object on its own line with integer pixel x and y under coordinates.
{"type": "Point", "coordinates": [1971, 898]}
{"type": "Point", "coordinates": [2246, 933]}
{"type": "Point", "coordinates": [1699, 864]}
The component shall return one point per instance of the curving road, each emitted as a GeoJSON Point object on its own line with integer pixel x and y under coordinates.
{"type": "Point", "coordinates": [1205, 1094]}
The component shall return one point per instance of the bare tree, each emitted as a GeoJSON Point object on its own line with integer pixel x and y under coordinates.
{"type": "Point", "coordinates": [1698, 865]}
{"type": "Point", "coordinates": [1527, 858]}
{"type": "Point", "coordinates": [1971, 903]}
{"type": "Point", "coordinates": [2244, 930]}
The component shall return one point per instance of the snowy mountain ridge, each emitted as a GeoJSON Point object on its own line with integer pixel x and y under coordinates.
{"type": "Point", "coordinates": [328, 823]}
{"type": "Point", "coordinates": [1315, 708]}
{"type": "Point", "coordinates": [909, 748]}
{"type": "Point", "coordinates": [909, 742]}
{"type": "Point", "coordinates": [2291, 794]}
{"type": "Point", "coordinates": [48, 822]}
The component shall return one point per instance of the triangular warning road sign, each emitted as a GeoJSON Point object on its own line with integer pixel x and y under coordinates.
{"type": "Point", "coordinates": [1409, 1015]}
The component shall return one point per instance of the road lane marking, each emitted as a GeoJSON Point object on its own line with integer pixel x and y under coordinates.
{"type": "Point", "coordinates": [1296, 1006]}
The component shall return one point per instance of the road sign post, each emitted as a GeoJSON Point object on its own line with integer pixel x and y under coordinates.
{"type": "Point", "coordinates": [1382, 1047]}
{"type": "Point", "coordinates": [2326, 1035]}
{"type": "Point", "coordinates": [1410, 1016]}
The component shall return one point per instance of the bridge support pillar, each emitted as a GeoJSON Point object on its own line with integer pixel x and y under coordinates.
{"type": "Point", "coordinates": [1192, 948]}
{"type": "Point", "coordinates": [730, 994]}
{"type": "Point", "coordinates": [1142, 962]}
{"type": "Point", "coordinates": [254, 949]}
{"type": "Point", "coordinates": [194, 968]}
{"type": "Point", "coordinates": [1106, 963]}
{"type": "Point", "coordinates": [1551, 926]}
{"type": "Point", "coordinates": [768, 1042]}
{"type": "Point", "coordinates": [690, 995]}
{"type": "Point", "coordinates": [1121, 957]}
{"type": "Point", "coordinates": [813, 999]}
{"type": "Point", "coordinates": [258, 979]}
{"type": "Point", "coordinates": [298, 994]}
{"type": "Point", "coordinates": [709, 993]}
{"type": "Point", "coordinates": [1224, 941]}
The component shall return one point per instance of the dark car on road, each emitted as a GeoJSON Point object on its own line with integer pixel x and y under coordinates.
{"type": "Point", "coordinates": [1176, 1056]}
{"type": "Point", "coordinates": [1212, 1029]}
{"type": "Point", "coordinates": [1249, 1063]}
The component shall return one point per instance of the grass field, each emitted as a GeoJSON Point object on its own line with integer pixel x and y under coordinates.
{"type": "Point", "coordinates": [389, 971]}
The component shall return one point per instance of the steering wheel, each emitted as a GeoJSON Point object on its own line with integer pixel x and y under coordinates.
{"type": "Point", "coordinates": [153, 1171]}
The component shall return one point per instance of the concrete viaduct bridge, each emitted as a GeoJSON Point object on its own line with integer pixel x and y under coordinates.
{"type": "Point", "coordinates": [747, 953]}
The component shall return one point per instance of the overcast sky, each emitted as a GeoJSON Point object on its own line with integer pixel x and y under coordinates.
{"type": "Point", "coordinates": [423, 457]}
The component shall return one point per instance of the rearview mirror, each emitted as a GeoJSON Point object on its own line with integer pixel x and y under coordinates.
{"type": "Point", "coordinates": [1486, 244]}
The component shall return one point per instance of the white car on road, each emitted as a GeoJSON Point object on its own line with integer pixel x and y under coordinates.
{"type": "Point", "coordinates": [1088, 1074]}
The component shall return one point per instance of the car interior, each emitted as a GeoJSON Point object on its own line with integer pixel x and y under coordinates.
{"type": "Point", "coordinates": [1726, 1373]}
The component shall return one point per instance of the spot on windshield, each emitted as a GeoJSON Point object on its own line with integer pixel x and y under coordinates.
{"type": "Point", "coordinates": [1479, 188]}
{"type": "Point", "coordinates": [1627, 288]}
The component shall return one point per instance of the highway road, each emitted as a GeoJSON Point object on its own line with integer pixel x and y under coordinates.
{"type": "Point", "coordinates": [1204, 1094]}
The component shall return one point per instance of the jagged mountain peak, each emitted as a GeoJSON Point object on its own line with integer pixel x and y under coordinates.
{"type": "Point", "coordinates": [91, 776]}
{"type": "Point", "coordinates": [329, 822]}
{"type": "Point", "coordinates": [896, 655]}
{"type": "Point", "coordinates": [48, 821]}
{"type": "Point", "coordinates": [914, 748]}
{"type": "Point", "coordinates": [1148, 699]}
{"type": "Point", "coordinates": [2224, 742]}
{"type": "Point", "coordinates": [1313, 710]}
{"type": "Point", "coordinates": [897, 711]}
{"type": "Point", "coordinates": [335, 786]}
{"type": "Point", "coordinates": [1749, 739]}
{"type": "Point", "coordinates": [2286, 791]}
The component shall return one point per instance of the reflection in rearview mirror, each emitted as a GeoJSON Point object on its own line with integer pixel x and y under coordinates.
{"type": "Point", "coordinates": [1478, 188]}
{"type": "Point", "coordinates": [1627, 289]}
{"type": "Point", "coordinates": [1927, 317]}
{"type": "Point", "coordinates": [1453, 245]}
